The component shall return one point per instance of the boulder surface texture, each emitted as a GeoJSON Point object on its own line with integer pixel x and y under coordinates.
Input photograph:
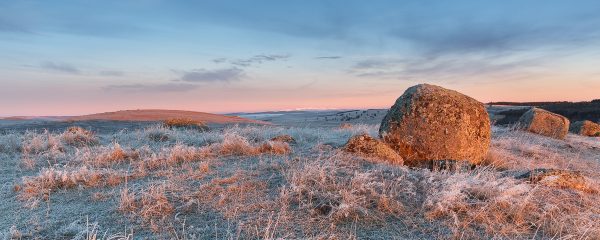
{"type": "Point", "coordinates": [430, 123]}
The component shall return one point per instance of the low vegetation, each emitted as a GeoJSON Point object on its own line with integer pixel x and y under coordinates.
{"type": "Point", "coordinates": [185, 123]}
{"type": "Point", "coordinates": [275, 182]}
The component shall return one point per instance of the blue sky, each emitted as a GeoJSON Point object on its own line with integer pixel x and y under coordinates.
{"type": "Point", "coordinates": [77, 57]}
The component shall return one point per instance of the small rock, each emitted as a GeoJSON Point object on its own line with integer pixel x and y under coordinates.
{"type": "Point", "coordinates": [545, 123]}
{"type": "Point", "coordinates": [585, 128]}
{"type": "Point", "coordinates": [369, 147]}
{"type": "Point", "coordinates": [557, 178]}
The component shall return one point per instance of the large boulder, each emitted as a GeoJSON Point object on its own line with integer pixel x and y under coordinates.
{"type": "Point", "coordinates": [545, 123]}
{"type": "Point", "coordinates": [429, 123]}
{"type": "Point", "coordinates": [585, 128]}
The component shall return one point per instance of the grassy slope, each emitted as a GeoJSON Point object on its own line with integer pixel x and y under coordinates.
{"type": "Point", "coordinates": [220, 184]}
{"type": "Point", "coordinates": [149, 115]}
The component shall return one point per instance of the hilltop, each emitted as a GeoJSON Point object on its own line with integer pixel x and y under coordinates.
{"type": "Point", "coordinates": [147, 115]}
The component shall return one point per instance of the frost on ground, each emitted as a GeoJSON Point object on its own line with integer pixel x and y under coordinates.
{"type": "Point", "coordinates": [240, 182]}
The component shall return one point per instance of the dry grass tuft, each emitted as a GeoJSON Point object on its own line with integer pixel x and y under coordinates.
{"type": "Point", "coordinates": [40, 147]}
{"type": "Point", "coordinates": [127, 202]}
{"type": "Point", "coordinates": [49, 180]}
{"type": "Point", "coordinates": [34, 143]}
{"type": "Point", "coordinates": [330, 193]}
{"type": "Point", "coordinates": [152, 205]}
{"type": "Point", "coordinates": [482, 205]}
{"type": "Point", "coordinates": [235, 195]}
{"type": "Point", "coordinates": [78, 137]}
{"type": "Point", "coordinates": [182, 153]}
{"type": "Point", "coordinates": [107, 156]}
{"type": "Point", "coordinates": [235, 144]}
{"type": "Point", "coordinates": [274, 147]}
{"type": "Point", "coordinates": [284, 138]}
{"type": "Point", "coordinates": [185, 123]}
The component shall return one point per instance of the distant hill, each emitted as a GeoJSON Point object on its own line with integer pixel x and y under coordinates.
{"type": "Point", "coordinates": [150, 115]}
{"type": "Point", "coordinates": [575, 111]}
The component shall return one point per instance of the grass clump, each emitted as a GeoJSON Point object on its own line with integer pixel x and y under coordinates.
{"type": "Point", "coordinates": [34, 188]}
{"type": "Point", "coordinates": [78, 137]}
{"type": "Point", "coordinates": [152, 205]}
{"type": "Point", "coordinates": [185, 123]}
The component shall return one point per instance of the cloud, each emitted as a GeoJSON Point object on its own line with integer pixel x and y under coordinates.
{"type": "Point", "coordinates": [375, 63]}
{"type": "Point", "coordinates": [473, 68]}
{"type": "Point", "coordinates": [254, 60]}
{"type": "Point", "coordinates": [328, 57]}
{"type": "Point", "coordinates": [111, 73]}
{"type": "Point", "coordinates": [60, 67]}
{"type": "Point", "coordinates": [217, 75]}
{"type": "Point", "coordinates": [167, 87]}
{"type": "Point", "coordinates": [219, 60]}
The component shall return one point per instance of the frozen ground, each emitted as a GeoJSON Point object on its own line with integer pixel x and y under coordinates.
{"type": "Point", "coordinates": [233, 183]}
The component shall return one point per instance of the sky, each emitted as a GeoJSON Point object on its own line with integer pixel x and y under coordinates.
{"type": "Point", "coordinates": [78, 57]}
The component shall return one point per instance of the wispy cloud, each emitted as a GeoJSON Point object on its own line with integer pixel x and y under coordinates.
{"type": "Point", "coordinates": [167, 87]}
{"type": "Point", "coordinates": [217, 75]}
{"type": "Point", "coordinates": [111, 73]}
{"type": "Point", "coordinates": [60, 67]}
{"type": "Point", "coordinates": [329, 57]}
{"type": "Point", "coordinates": [219, 60]}
{"type": "Point", "coordinates": [474, 68]}
{"type": "Point", "coordinates": [254, 60]}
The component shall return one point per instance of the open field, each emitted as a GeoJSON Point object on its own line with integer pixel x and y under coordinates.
{"type": "Point", "coordinates": [142, 180]}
